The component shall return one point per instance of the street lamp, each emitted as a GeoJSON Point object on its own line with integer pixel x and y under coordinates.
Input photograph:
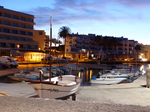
{"type": "Point", "coordinates": [18, 46]}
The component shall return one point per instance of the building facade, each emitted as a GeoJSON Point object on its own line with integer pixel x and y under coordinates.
{"type": "Point", "coordinates": [84, 46]}
{"type": "Point", "coordinates": [40, 37]}
{"type": "Point", "coordinates": [16, 33]}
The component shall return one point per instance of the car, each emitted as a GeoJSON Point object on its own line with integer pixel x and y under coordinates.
{"type": "Point", "coordinates": [59, 60]}
{"type": "Point", "coordinates": [19, 58]}
{"type": "Point", "coordinates": [3, 65]}
{"type": "Point", "coordinates": [46, 59]}
{"type": "Point", "coordinates": [113, 59]}
{"type": "Point", "coordinates": [105, 59]}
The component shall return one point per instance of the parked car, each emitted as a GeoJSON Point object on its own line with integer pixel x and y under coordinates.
{"type": "Point", "coordinates": [105, 59]}
{"type": "Point", "coordinates": [19, 58]}
{"type": "Point", "coordinates": [46, 59]}
{"type": "Point", "coordinates": [3, 65]}
{"type": "Point", "coordinates": [67, 59]}
{"type": "Point", "coordinates": [59, 60]}
{"type": "Point", "coordinates": [9, 61]}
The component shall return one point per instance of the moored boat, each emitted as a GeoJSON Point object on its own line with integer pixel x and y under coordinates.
{"type": "Point", "coordinates": [58, 87]}
{"type": "Point", "coordinates": [108, 79]}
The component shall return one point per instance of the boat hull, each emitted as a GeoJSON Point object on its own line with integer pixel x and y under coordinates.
{"type": "Point", "coordinates": [47, 90]}
{"type": "Point", "coordinates": [58, 87]}
{"type": "Point", "coordinates": [108, 81]}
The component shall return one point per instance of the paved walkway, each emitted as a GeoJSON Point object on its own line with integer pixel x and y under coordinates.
{"type": "Point", "coordinates": [126, 97]}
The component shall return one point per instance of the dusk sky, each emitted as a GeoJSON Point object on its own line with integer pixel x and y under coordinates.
{"type": "Point", "coordinates": [127, 18]}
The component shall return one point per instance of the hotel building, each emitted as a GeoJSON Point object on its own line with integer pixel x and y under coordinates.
{"type": "Point", "coordinates": [16, 32]}
{"type": "Point", "coordinates": [84, 46]}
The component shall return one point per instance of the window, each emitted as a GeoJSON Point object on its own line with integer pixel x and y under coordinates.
{"type": "Point", "coordinates": [2, 44]}
{"type": "Point", "coordinates": [29, 46]}
{"type": "Point", "coordinates": [6, 15]}
{"type": "Point", "coordinates": [22, 32]}
{"type": "Point", "coordinates": [21, 46]}
{"type": "Point", "coordinates": [6, 23]}
{"type": "Point", "coordinates": [14, 38]}
{"type": "Point", "coordinates": [6, 37]}
{"type": "Point", "coordinates": [15, 31]}
{"type": "Point", "coordinates": [22, 25]}
{"type": "Point", "coordinates": [11, 45]}
{"type": "Point", "coordinates": [6, 30]}
{"type": "Point", "coordinates": [40, 33]}
{"type": "Point", "coordinates": [22, 39]}
{"type": "Point", "coordinates": [30, 26]}
{"type": "Point", "coordinates": [15, 17]}
{"type": "Point", "coordinates": [30, 33]}
{"type": "Point", "coordinates": [23, 18]}
{"type": "Point", "coordinates": [30, 20]}
{"type": "Point", "coordinates": [15, 24]}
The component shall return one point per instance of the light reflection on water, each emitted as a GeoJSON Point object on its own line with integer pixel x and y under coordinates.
{"type": "Point", "coordinates": [87, 74]}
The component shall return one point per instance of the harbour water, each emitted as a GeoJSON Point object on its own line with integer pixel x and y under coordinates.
{"type": "Point", "coordinates": [85, 74]}
{"type": "Point", "coordinates": [125, 97]}
{"type": "Point", "coordinates": [88, 73]}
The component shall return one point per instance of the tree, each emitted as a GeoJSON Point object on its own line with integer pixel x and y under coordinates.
{"type": "Point", "coordinates": [114, 44]}
{"type": "Point", "coordinates": [106, 43]}
{"type": "Point", "coordinates": [137, 48]}
{"type": "Point", "coordinates": [98, 41]}
{"type": "Point", "coordinates": [64, 32]}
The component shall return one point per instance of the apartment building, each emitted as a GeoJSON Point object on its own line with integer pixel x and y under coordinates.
{"type": "Point", "coordinates": [84, 46]}
{"type": "Point", "coordinates": [40, 36]}
{"type": "Point", "coordinates": [16, 33]}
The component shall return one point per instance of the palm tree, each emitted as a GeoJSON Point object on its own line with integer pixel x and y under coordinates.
{"type": "Point", "coordinates": [54, 41]}
{"type": "Point", "coordinates": [58, 42]}
{"type": "Point", "coordinates": [137, 48]}
{"type": "Point", "coordinates": [106, 43]}
{"type": "Point", "coordinates": [64, 32]}
{"type": "Point", "coordinates": [114, 44]}
{"type": "Point", "coordinates": [98, 42]}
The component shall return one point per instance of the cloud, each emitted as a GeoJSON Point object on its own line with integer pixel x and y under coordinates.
{"type": "Point", "coordinates": [70, 11]}
{"type": "Point", "coordinates": [135, 3]}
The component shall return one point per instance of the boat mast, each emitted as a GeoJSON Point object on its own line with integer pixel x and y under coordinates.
{"type": "Point", "coordinates": [50, 45]}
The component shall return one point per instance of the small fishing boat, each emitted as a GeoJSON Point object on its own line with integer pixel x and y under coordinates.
{"type": "Point", "coordinates": [113, 77]}
{"type": "Point", "coordinates": [59, 87]}
{"type": "Point", "coordinates": [108, 79]}
{"type": "Point", "coordinates": [24, 76]}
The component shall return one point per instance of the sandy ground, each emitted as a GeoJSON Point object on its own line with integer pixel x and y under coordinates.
{"type": "Point", "coordinates": [125, 97]}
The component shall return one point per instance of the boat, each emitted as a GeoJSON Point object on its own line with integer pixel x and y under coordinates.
{"type": "Point", "coordinates": [110, 78]}
{"type": "Point", "coordinates": [74, 67]}
{"type": "Point", "coordinates": [59, 87]}
{"type": "Point", "coordinates": [24, 76]}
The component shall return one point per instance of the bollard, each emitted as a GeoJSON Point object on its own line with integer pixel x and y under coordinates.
{"type": "Point", "coordinates": [148, 78]}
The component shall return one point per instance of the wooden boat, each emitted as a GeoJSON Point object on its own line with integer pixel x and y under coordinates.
{"type": "Point", "coordinates": [60, 87]}
{"type": "Point", "coordinates": [24, 76]}
{"type": "Point", "coordinates": [113, 77]}
{"type": "Point", "coordinates": [108, 79]}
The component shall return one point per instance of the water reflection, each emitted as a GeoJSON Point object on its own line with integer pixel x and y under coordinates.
{"type": "Point", "coordinates": [88, 73]}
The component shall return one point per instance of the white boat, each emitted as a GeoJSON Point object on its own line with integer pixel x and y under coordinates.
{"type": "Point", "coordinates": [60, 87]}
{"type": "Point", "coordinates": [74, 67]}
{"type": "Point", "coordinates": [108, 79]}
{"type": "Point", "coordinates": [24, 76]}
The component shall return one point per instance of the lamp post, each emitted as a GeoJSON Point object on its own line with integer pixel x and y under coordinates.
{"type": "Point", "coordinates": [18, 46]}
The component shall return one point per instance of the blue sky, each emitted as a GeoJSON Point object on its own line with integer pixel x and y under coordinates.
{"type": "Point", "coordinates": [127, 18]}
